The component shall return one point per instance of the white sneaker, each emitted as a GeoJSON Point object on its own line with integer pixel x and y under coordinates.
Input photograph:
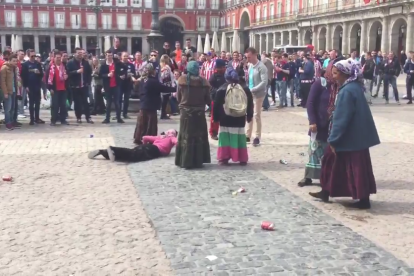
{"type": "Point", "coordinates": [21, 116]}
{"type": "Point", "coordinates": [25, 107]}
{"type": "Point", "coordinates": [273, 104]}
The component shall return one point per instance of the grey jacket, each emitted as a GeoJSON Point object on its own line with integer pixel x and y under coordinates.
{"type": "Point", "coordinates": [269, 65]}
{"type": "Point", "coordinates": [260, 79]}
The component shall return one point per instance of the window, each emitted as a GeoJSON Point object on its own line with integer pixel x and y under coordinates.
{"type": "Point", "coordinates": [279, 9]}
{"type": "Point", "coordinates": [201, 23]}
{"type": "Point", "coordinates": [228, 20]}
{"type": "Point", "coordinates": [59, 2]}
{"type": "Point", "coordinates": [137, 22]}
{"type": "Point", "coordinates": [148, 3]}
{"type": "Point", "coordinates": [214, 23]}
{"type": "Point", "coordinates": [326, 4]}
{"type": "Point", "coordinates": [43, 1]}
{"type": "Point", "coordinates": [222, 21]}
{"type": "Point", "coordinates": [121, 3]}
{"type": "Point", "coordinates": [105, 2]}
{"type": "Point", "coordinates": [214, 4]}
{"type": "Point", "coordinates": [91, 20]}
{"type": "Point", "coordinates": [75, 2]}
{"type": "Point", "coordinates": [257, 14]}
{"type": "Point", "coordinates": [287, 7]}
{"type": "Point", "coordinates": [201, 4]}
{"type": "Point", "coordinates": [121, 20]}
{"type": "Point", "coordinates": [10, 18]}
{"type": "Point", "coordinates": [60, 20]}
{"type": "Point", "coordinates": [24, 1]}
{"type": "Point", "coordinates": [76, 21]}
{"type": "Point", "coordinates": [272, 11]}
{"type": "Point", "coordinates": [169, 4]}
{"type": "Point", "coordinates": [27, 19]}
{"type": "Point", "coordinates": [107, 21]}
{"type": "Point", "coordinates": [43, 18]}
{"type": "Point", "coordinates": [91, 2]}
{"type": "Point", "coordinates": [295, 6]}
{"type": "Point", "coordinates": [189, 4]}
{"type": "Point", "coordinates": [234, 20]}
{"type": "Point", "coordinates": [264, 12]}
{"type": "Point", "coordinates": [9, 1]}
{"type": "Point", "coordinates": [136, 3]}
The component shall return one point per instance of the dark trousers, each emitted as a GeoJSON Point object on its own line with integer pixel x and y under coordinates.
{"type": "Point", "coordinates": [80, 97]}
{"type": "Point", "coordinates": [112, 96]}
{"type": "Point", "coordinates": [15, 109]}
{"type": "Point", "coordinates": [138, 154]}
{"type": "Point", "coordinates": [273, 89]}
{"type": "Point", "coordinates": [125, 93]}
{"type": "Point", "coordinates": [304, 92]}
{"type": "Point", "coordinates": [164, 103]}
{"type": "Point", "coordinates": [35, 97]}
{"type": "Point", "coordinates": [59, 106]}
{"type": "Point", "coordinates": [410, 87]}
{"type": "Point", "coordinates": [390, 79]}
{"type": "Point", "coordinates": [99, 106]}
{"type": "Point", "coordinates": [69, 97]}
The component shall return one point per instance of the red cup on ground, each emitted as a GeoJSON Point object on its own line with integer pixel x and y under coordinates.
{"type": "Point", "coordinates": [7, 178]}
{"type": "Point", "coordinates": [267, 225]}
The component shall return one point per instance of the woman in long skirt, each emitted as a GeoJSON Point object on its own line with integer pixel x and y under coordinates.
{"type": "Point", "coordinates": [232, 137]}
{"type": "Point", "coordinates": [346, 165]}
{"type": "Point", "coordinates": [193, 93]}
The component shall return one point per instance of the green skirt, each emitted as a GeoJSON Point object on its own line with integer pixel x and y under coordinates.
{"type": "Point", "coordinates": [193, 148]}
{"type": "Point", "coordinates": [313, 167]}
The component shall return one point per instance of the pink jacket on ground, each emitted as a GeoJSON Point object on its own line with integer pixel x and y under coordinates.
{"type": "Point", "coordinates": [163, 143]}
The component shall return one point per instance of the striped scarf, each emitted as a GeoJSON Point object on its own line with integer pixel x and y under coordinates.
{"type": "Point", "coordinates": [62, 72]}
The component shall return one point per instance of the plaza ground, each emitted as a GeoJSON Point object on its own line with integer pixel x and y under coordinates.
{"type": "Point", "coordinates": [67, 215]}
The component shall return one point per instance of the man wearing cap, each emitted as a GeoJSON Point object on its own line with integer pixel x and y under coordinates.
{"type": "Point", "coordinates": [208, 66]}
{"type": "Point", "coordinates": [216, 80]}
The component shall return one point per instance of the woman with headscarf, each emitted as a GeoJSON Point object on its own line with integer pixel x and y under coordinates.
{"type": "Point", "coordinates": [232, 136]}
{"type": "Point", "coordinates": [346, 165]}
{"type": "Point", "coordinates": [150, 101]}
{"type": "Point", "coordinates": [193, 94]}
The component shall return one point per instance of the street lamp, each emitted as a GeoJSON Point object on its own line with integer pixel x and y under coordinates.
{"type": "Point", "coordinates": [155, 37]}
{"type": "Point", "coordinates": [97, 10]}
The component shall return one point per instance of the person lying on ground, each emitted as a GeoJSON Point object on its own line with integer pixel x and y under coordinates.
{"type": "Point", "coordinates": [152, 148]}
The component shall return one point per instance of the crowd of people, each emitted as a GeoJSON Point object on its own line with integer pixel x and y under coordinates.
{"type": "Point", "coordinates": [233, 88]}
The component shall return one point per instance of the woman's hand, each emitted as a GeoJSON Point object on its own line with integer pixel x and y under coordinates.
{"type": "Point", "coordinates": [332, 149]}
{"type": "Point", "coordinates": [313, 128]}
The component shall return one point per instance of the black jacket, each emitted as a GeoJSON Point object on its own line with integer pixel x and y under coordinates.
{"type": "Point", "coordinates": [150, 93]}
{"type": "Point", "coordinates": [369, 69]}
{"type": "Point", "coordinates": [28, 77]}
{"type": "Point", "coordinates": [393, 68]}
{"type": "Point", "coordinates": [74, 78]}
{"type": "Point", "coordinates": [119, 71]}
{"type": "Point", "coordinates": [216, 80]}
{"type": "Point", "coordinates": [409, 66]}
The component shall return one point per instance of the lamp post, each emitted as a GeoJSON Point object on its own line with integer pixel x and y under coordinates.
{"type": "Point", "coordinates": [97, 10]}
{"type": "Point", "coordinates": [155, 38]}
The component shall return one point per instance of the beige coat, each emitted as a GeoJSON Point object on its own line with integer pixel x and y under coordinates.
{"type": "Point", "coordinates": [7, 73]}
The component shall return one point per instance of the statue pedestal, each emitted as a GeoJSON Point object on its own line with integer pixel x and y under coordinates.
{"type": "Point", "coordinates": [156, 42]}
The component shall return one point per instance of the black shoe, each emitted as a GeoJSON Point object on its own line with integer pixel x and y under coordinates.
{"type": "Point", "coordinates": [93, 113]}
{"type": "Point", "coordinates": [298, 105]}
{"type": "Point", "coordinates": [305, 182]}
{"type": "Point", "coordinates": [66, 123]}
{"type": "Point", "coordinates": [111, 154]}
{"type": "Point", "coordinates": [106, 121]}
{"type": "Point", "coordinates": [52, 124]}
{"type": "Point", "coordinates": [114, 119]}
{"type": "Point", "coordinates": [126, 117]}
{"type": "Point", "coordinates": [322, 195]}
{"type": "Point", "coordinates": [93, 154]}
{"type": "Point", "coordinates": [410, 102]}
{"type": "Point", "coordinates": [89, 121]}
{"type": "Point", "coordinates": [120, 121]}
{"type": "Point", "coordinates": [79, 121]}
{"type": "Point", "coordinates": [362, 204]}
{"type": "Point", "coordinates": [31, 123]}
{"type": "Point", "coordinates": [39, 121]}
{"type": "Point", "coordinates": [247, 140]}
{"type": "Point", "coordinates": [214, 137]}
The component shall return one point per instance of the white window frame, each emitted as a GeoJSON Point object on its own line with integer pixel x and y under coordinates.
{"type": "Point", "coordinates": [272, 11]}
{"type": "Point", "coordinates": [214, 23]}
{"type": "Point", "coordinates": [74, 26]}
{"type": "Point", "coordinates": [11, 22]}
{"type": "Point", "coordinates": [201, 4]}
{"type": "Point", "coordinates": [40, 16]}
{"type": "Point", "coordinates": [59, 25]}
{"type": "Point", "coordinates": [136, 3]}
{"type": "Point", "coordinates": [135, 25]}
{"type": "Point", "coordinates": [27, 15]}
{"type": "Point", "coordinates": [214, 4]}
{"type": "Point", "coordinates": [24, 1]}
{"type": "Point", "coordinates": [91, 25]}
{"type": "Point", "coordinates": [43, 2]}
{"type": "Point", "coordinates": [148, 4]}
{"type": "Point", "coordinates": [201, 20]}
{"type": "Point", "coordinates": [288, 9]}
{"type": "Point", "coordinates": [169, 4]}
{"type": "Point", "coordinates": [189, 4]}
{"type": "Point", "coordinates": [295, 6]}
{"type": "Point", "coordinates": [222, 21]}
{"type": "Point", "coordinates": [105, 24]}
{"type": "Point", "coordinates": [106, 3]}
{"type": "Point", "coordinates": [9, 1]}
{"type": "Point", "coordinates": [75, 2]}
{"type": "Point", "coordinates": [233, 19]}
{"type": "Point", "coordinates": [121, 25]}
{"type": "Point", "coordinates": [121, 3]}
{"type": "Point", "coordinates": [264, 12]}
{"type": "Point", "coordinates": [59, 2]}
{"type": "Point", "coordinates": [228, 20]}
{"type": "Point", "coordinates": [279, 9]}
{"type": "Point", "coordinates": [258, 9]}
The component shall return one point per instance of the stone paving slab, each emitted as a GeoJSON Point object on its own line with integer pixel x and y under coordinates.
{"type": "Point", "coordinates": [195, 215]}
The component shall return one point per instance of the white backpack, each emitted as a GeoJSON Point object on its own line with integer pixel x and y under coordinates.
{"type": "Point", "coordinates": [235, 102]}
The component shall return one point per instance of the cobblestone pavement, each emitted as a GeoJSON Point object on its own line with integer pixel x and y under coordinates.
{"type": "Point", "coordinates": [67, 215]}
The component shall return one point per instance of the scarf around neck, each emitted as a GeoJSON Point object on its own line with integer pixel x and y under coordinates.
{"type": "Point", "coordinates": [62, 72]}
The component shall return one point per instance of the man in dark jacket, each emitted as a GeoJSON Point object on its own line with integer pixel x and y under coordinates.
{"type": "Point", "coordinates": [216, 80]}
{"type": "Point", "coordinates": [392, 70]}
{"type": "Point", "coordinates": [409, 70]}
{"type": "Point", "coordinates": [126, 84]}
{"type": "Point", "coordinates": [31, 76]}
{"type": "Point", "coordinates": [368, 72]}
{"type": "Point", "coordinates": [80, 76]}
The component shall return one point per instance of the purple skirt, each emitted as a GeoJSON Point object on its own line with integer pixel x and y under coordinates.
{"type": "Point", "coordinates": [348, 174]}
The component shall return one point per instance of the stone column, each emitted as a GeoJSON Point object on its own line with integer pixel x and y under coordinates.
{"type": "Point", "coordinates": [36, 44]}
{"type": "Point", "coordinates": [267, 43]}
{"type": "Point", "coordinates": [385, 39]}
{"type": "Point", "coordinates": [300, 38]}
{"type": "Point", "coordinates": [410, 34]}
{"type": "Point", "coordinates": [145, 47]}
{"type": "Point", "coordinates": [315, 41]}
{"type": "Point", "coordinates": [291, 38]}
{"type": "Point", "coordinates": [345, 39]}
{"type": "Point", "coordinates": [364, 37]}
{"type": "Point", "coordinates": [68, 45]}
{"type": "Point", "coordinates": [129, 45]}
{"type": "Point", "coordinates": [3, 42]}
{"type": "Point", "coordinates": [84, 42]}
{"type": "Point", "coordinates": [260, 43]}
{"type": "Point", "coordinates": [52, 42]}
{"type": "Point", "coordinates": [274, 40]}
{"type": "Point", "coordinates": [329, 38]}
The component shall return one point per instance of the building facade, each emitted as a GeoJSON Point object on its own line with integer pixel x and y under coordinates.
{"type": "Point", "coordinates": [346, 25]}
{"type": "Point", "coordinates": [53, 24]}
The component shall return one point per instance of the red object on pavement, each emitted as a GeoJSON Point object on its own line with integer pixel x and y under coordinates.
{"type": "Point", "coordinates": [241, 190]}
{"type": "Point", "coordinates": [7, 178]}
{"type": "Point", "coordinates": [266, 225]}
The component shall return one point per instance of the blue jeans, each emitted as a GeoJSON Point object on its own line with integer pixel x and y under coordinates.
{"type": "Point", "coordinates": [389, 79]}
{"type": "Point", "coordinates": [266, 104]}
{"type": "Point", "coordinates": [282, 90]}
{"type": "Point", "coordinates": [9, 106]}
{"type": "Point", "coordinates": [112, 96]}
{"type": "Point", "coordinates": [296, 84]}
{"type": "Point", "coordinates": [174, 105]}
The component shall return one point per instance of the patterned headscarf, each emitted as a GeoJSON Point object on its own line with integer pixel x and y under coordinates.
{"type": "Point", "coordinates": [193, 69]}
{"type": "Point", "coordinates": [350, 68]}
{"type": "Point", "coordinates": [147, 70]}
{"type": "Point", "coordinates": [231, 75]}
